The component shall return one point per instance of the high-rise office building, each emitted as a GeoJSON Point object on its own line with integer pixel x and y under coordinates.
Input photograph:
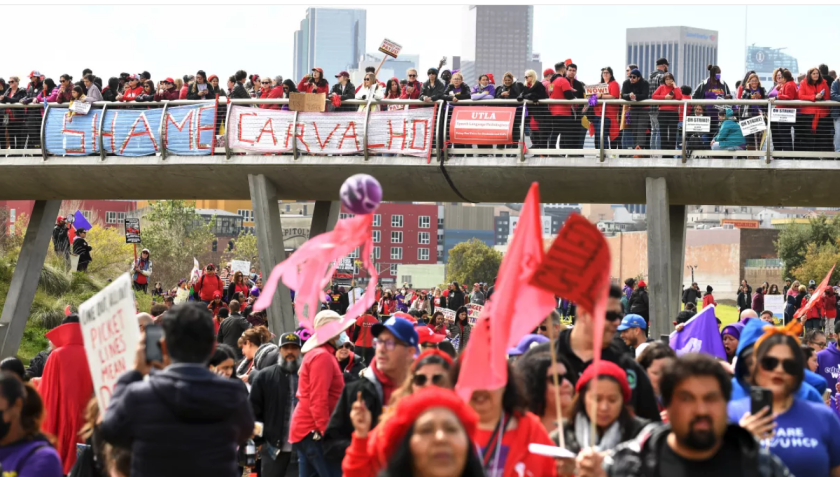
{"type": "Point", "coordinates": [497, 39]}
{"type": "Point", "coordinates": [764, 60]}
{"type": "Point", "coordinates": [688, 50]}
{"type": "Point", "coordinates": [329, 38]}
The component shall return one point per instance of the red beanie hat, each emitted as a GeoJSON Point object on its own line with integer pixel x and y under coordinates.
{"type": "Point", "coordinates": [392, 431]}
{"type": "Point", "coordinates": [605, 368]}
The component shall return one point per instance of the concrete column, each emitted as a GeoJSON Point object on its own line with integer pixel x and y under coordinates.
{"type": "Point", "coordinates": [659, 256]}
{"type": "Point", "coordinates": [27, 273]}
{"type": "Point", "coordinates": [270, 246]}
{"type": "Point", "coordinates": [677, 221]}
{"type": "Point", "coordinates": [324, 217]}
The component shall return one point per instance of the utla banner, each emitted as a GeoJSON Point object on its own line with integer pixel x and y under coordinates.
{"type": "Point", "coordinates": [700, 335]}
{"type": "Point", "coordinates": [110, 333]}
{"type": "Point", "coordinates": [481, 125]}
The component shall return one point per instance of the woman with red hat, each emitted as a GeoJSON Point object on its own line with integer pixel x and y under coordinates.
{"type": "Point", "coordinates": [314, 82]}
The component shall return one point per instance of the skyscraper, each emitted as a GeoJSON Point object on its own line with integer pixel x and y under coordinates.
{"type": "Point", "coordinates": [329, 38]}
{"type": "Point", "coordinates": [764, 60]}
{"type": "Point", "coordinates": [497, 39]}
{"type": "Point", "coordinates": [688, 50]}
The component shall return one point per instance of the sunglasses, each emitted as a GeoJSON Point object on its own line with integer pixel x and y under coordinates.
{"type": "Point", "coordinates": [422, 379]}
{"type": "Point", "coordinates": [412, 76]}
{"type": "Point", "coordinates": [614, 316]}
{"type": "Point", "coordinates": [12, 81]}
{"type": "Point", "coordinates": [367, 80]}
{"type": "Point", "coordinates": [634, 77]}
{"type": "Point", "coordinates": [550, 379]}
{"type": "Point", "coordinates": [347, 346]}
{"type": "Point", "coordinates": [770, 363]}
{"type": "Point", "coordinates": [264, 82]}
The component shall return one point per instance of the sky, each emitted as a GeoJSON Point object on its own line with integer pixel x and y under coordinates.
{"type": "Point", "coordinates": [178, 39]}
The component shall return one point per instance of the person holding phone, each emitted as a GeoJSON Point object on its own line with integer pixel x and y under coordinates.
{"type": "Point", "coordinates": [814, 124]}
{"type": "Point", "coordinates": [668, 113]}
{"type": "Point", "coordinates": [200, 89]}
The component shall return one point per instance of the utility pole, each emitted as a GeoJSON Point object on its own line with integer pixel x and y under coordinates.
{"type": "Point", "coordinates": [692, 268]}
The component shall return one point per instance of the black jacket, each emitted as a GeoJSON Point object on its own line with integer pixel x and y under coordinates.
{"type": "Point", "coordinates": [61, 242]}
{"type": "Point", "coordinates": [641, 88]}
{"type": "Point", "coordinates": [271, 390]}
{"type": "Point", "coordinates": [577, 91]}
{"type": "Point", "coordinates": [432, 91]}
{"type": "Point", "coordinates": [455, 300]}
{"type": "Point", "coordinates": [515, 89]}
{"type": "Point", "coordinates": [690, 295]}
{"type": "Point", "coordinates": [238, 92]}
{"type": "Point", "coordinates": [643, 400]}
{"type": "Point", "coordinates": [36, 364]}
{"type": "Point", "coordinates": [351, 368]}
{"type": "Point", "coordinates": [184, 420]}
{"type": "Point", "coordinates": [744, 301]}
{"type": "Point", "coordinates": [639, 303]}
{"type": "Point", "coordinates": [340, 429]}
{"type": "Point", "coordinates": [82, 249]}
{"type": "Point", "coordinates": [349, 93]}
{"type": "Point", "coordinates": [535, 92]}
{"type": "Point", "coordinates": [231, 330]}
{"type": "Point", "coordinates": [640, 457]}
{"type": "Point", "coordinates": [462, 94]}
{"type": "Point", "coordinates": [192, 92]}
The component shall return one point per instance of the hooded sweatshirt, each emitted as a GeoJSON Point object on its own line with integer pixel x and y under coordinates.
{"type": "Point", "coordinates": [30, 457]}
{"type": "Point", "coordinates": [828, 366]}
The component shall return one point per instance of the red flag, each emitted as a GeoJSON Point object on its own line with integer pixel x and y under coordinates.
{"type": "Point", "coordinates": [515, 308]}
{"type": "Point", "coordinates": [819, 292]}
{"type": "Point", "coordinates": [577, 267]}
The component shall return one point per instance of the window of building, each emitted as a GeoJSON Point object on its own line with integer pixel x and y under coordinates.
{"type": "Point", "coordinates": [396, 253]}
{"type": "Point", "coordinates": [377, 220]}
{"type": "Point", "coordinates": [376, 253]}
{"type": "Point", "coordinates": [345, 216]}
{"type": "Point", "coordinates": [246, 214]}
{"type": "Point", "coordinates": [440, 222]}
{"type": "Point", "coordinates": [425, 222]}
{"type": "Point", "coordinates": [422, 254]}
{"type": "Point", "coordinates": [215, 245]}
{"type": "Point", "coordinates": [423, 238]}
{"type": "Point", "coordinates": [396, 221]}
{"type": "Point", "coordinates": [377, 236]}
{"type": "Point", "coordinates": [440, 254]}
{"type": "Point", "coordinates": [396, 237]}
{"type": "Point", "coordinates": [393, 270]}
{"type": "Point", "coordinates": [86, 214]}
{"type": "Point", "coordinates": [114, 217]}
{"type": "Point", "coordinates": [354, 253]}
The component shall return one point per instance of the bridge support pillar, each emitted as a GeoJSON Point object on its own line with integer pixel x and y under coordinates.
{"type": "Point", "coordinates": [666, 255]}
{"type": "Point", "coordinates": [324, 217]}
{"type": "Point", "coordinates": [26, 275]}
{"type": "Point", "coordinates": [269, 232]}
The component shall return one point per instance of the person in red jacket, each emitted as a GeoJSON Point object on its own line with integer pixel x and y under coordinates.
{"type": "Point", "coordinates": [781, 132]}
{"type": "Point", "coordinates": [562, 120]}
{"type": "Point", "coordinates": [812, 319]}
{"type": "Point", "coordinates": [668, 113]}
{"type": "Point", "coordinates": [276, 92]}
{"type": "Point", "coordinates": [315, 83]}
{"type": "Point", "coordinates": [66, 388]}
{"type": "Point", "coordinates": [319, 388]}
{"type": "Point", "coordinates": [412, 86]}
{"type": "Point", "coordinates": [209, 283]}
{"type": "Point", "coordinates": [166, 91]}
{"type": "Point", "coordinates": [814, 124]}
{"type": "Point", "coordinates": [708, 298]}
{"type": "Point", "coordinates": [611, 121]}
{"type": "Point", "coordinates": [830, 311]}
{"type": "Point", "coordinates": [133, 89]}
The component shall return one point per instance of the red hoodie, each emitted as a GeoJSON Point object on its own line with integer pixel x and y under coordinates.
{"type": "Point", "coordinates": [319, 389]}
{"type": "Point", "coordinates": [129, 94]}
{"type": "Point", "coordinates": [207, 286]}
{"type": "Point", "coordinates": [275, 93]}
{"type": "Point", "coordinates": [663, 91]}
{"type": "Point", "coordinates": [808, 92]}
{"type": "Point", "coordinates": [66, 388]}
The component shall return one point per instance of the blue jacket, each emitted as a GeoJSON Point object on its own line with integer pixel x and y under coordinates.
{"type": "Point", "coordinates": [487, 92]}
{"type": "Point", "coordinates": [730, 135]}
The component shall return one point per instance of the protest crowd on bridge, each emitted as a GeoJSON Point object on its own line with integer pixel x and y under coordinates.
{"type": "Point", "coordinates": [632, 124]}
{"type": "Point", "coordinates": [550, 370]}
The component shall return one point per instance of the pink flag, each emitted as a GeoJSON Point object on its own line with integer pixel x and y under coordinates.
{"type": "Point", "coordinates": [515, 308]}
{"type": "Point", "coordinates": [309, 269]}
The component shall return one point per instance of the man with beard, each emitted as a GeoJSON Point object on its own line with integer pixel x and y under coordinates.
{"type": "Point", "coordinates": [633, 331]}
{"type": "Point", "coordinates": [699, 440]}
{"type": "Point", "coordinates": [273, 399]}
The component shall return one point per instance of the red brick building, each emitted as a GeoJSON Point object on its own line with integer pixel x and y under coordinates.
{"type": "Point", "coordinates": [105, 213]}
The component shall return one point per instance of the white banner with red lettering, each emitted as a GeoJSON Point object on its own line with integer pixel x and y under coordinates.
{"type": "Point", "coordinates": [406, 132]}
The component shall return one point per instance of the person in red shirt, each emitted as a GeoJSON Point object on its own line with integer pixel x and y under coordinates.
{"type": "Point", "coordinates": [132, 90]}
{"type": "Point", "coordinates": [412, 86]}
{"type": "Point", "coordinates": [830, 311]}
{"type": "Point", "coordinates": [781, 132]}
{"type": "Point", "coordinates": [315, 83]}
{"type": "Point", "coordinates": [611, 122]}
{"type": "Point", "coordinates": [562, 119]}
{"type": "Point", "coordinates": [217, 305]}
{"type": "Point", "coordinates": [438, 323]}
{"type": "Point", "coordinates": [814, 125]}
{"type": "Point", "coordinates": [208, 285]}
{"type": "Point", "coordinates": [362, 336]}
{"type": "Point", "coordinates": [237, 285]}
{"type": "Point", "coordinates": [668, 113]}
{"type": "Point", "coordinates": [708, 298]}
{"type": "Point", "coordinates": [812, 318]}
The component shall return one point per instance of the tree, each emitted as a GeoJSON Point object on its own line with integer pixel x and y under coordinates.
{"type": "Point", "coordinates": [111, 255]}
{"type": "Point", "coordinates": [817, 261]}
{"type": "Point", "coordinates": [792, 244]}
{"type": "Point", "coordinates": [174, 233]}
{"type": "Point", "coordinates": [473, 261]}
{"type": "Point", "coordinates": [245, 248]}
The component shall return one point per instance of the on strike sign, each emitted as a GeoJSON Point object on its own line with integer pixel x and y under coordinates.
{"type": "Point", "coordinates": [110, 333]}
{"type": "Point", "coordinates": [481, 125]}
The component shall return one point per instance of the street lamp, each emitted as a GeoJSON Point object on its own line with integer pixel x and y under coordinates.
{"type": "Point", "coordinates": [692, 267]}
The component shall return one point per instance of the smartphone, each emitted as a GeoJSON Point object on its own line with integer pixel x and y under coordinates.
{"type": "Point", "coordinates": [760, 398]}
{"type": "Point", "coordinates": [154, 333]}
{"type": "Point", "coordinates": [665, 339]}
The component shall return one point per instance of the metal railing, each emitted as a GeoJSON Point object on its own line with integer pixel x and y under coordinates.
{"type": "Point", "coordinates": [806, 137]}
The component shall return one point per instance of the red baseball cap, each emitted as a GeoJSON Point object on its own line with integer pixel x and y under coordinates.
{"type": "Point", "coordinates": [217, 294]}
{"type": "Point", "coordinates": [169, 80]}
{"type": "Point", "coordinates": [34, 73]}
{"type": "Point", "coordinates": [343, 73]}
{"type": "Point", "coordinates": [406, 316]}
{"type": "Point", "coordinates": [427, 335]}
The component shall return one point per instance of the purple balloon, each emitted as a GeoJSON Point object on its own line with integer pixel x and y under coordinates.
{"type": "Point", "coordinates": [361, 194]}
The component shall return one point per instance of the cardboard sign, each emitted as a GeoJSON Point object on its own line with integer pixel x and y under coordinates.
{"type": "Point", "coordinates": [481, 125]}
{"type": "Point", "coordinates": [783, 115]}
{"type": "Point", "coordinates": [474, 310]}
{"type": "Point", "coordinates": [752, 125]}
{"type": "Point", "coordinates": [308, 102]}
{"type": "Point", "coordinates": [240, 266]}
{"type": "Point", "coordinates": [448, 315]}
{"type": "Point", "coordinates": [390, 48]}
{"type": "Point", "coordinates": [79, 107]}
{"type": "Point", "coordinates": [472, 313]}
{"type": "Point", "coordinates": [132, 230]}
{"type": "Point", "coordinates": [111, 334]}
{"type": "Point", "coordinates": [602, 88]}
{"type": "Point", "coordinates": [776, 304]}
{"type": "Point", "coordinates": [698, 124]}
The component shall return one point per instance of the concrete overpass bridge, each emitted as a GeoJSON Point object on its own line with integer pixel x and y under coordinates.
{"type": "Point", "coordinates": [114, 153]}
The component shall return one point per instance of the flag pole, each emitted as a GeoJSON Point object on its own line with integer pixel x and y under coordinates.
{"type": "Point", "coordinates": [561, 439]}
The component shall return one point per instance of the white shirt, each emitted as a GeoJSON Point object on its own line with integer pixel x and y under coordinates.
{"type": "Point", "coordinates": [641, 348]}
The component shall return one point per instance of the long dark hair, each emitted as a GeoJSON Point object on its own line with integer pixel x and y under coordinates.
{"type": "Point", "coordinates": [609, 70]}
{"type": "Point", "coordinates": [32, 412]}
{"type": "Point", "coordinates": [798, 356]}
{"type": "Point", "coordinates": [625, 418]}
{"type": "Point", "coordinates": [49, 85]}
{"type": "Point", "coordinates": [811, 82]}
{"type": "Point", "coordinates": [388, 87]}
{"type": "Point", "coordinates": [458, 314]}
{"type": "Point", "coordinates": [533, 366]}
{"type": "Point", "coordinates": [713, 70]}
{"type": "Point", "coordinates": [401, 462]}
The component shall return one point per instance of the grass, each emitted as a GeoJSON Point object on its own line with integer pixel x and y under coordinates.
{"type": "Point", "coordinates": [727, 314]}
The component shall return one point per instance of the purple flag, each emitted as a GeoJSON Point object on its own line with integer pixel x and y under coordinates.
{"type": "Point", "coordinates": [700, 335]}
{"type": "Point", "coordinates": [80, 222]}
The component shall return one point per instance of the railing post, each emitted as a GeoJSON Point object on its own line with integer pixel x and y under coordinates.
{"type": "Point", "coordinates": [685, 117]}
{"type": "Point", "coordinates": [43, 130]}
{"type": "Point", "coordinates": [443, 131]}
{"type": "Point", "coordinates": [438, 120]}
{"type": "Point", "coordinates": [521, 144]}
{"type": "Point", "coordinates": [768, 139]}
{"type": "Point", "coordinates": [227, 128]}
{"type": "Point", "coordinates": [367, 121]}
{"type": "Point", "coordinates": [294, 136]}
{"type": "Point", "coordinates": [162, 132]}
{"type": "Point", "coordinates": [603, 120]}
{"type": "Point", "coordinates": [101, 125]}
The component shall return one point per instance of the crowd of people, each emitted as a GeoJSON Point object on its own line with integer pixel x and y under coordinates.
{"type": "Point", "coordinates": [633, 125]}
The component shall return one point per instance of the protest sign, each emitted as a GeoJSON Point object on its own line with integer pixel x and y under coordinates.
{"type": "Point", "coordinates": [591, 89]}
{"type": "Point", "coordinates": [698, 124]}
{"type": "Point", "coordinates": [390, 48]}
{"type": "Point", "coordinates": [78, 136]}
{"type": "Point", "coordinates": [776, 304]}
{"type": "Point", "coordinates": [481, 125]}
{"type": "Point", "coordinates": [110, 333]}
{"type": "Point", "coordinates": [79, 107]}
{"type": "Point", "coordinates": [308, 102]}
{"type": "Point", "coordinates": [752, 125]}
{"type": "Point", "coordinates": [190, 130]}
{"type": "Point", "coordinates": [132, 230]}
{"type": "Point", "coordinates": [448, 314]}
{"type": "Point", "coordinates": [783, 115]}
{"type": "Point", "coordinates": [820, 291]}
{"type": "Point", "coordinates": [243, 266]}
{"type": "Point", "coordinates": [700, 335]}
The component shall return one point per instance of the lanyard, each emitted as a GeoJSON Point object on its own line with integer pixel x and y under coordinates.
{"type": "Point", "coordinates": [497, 435]}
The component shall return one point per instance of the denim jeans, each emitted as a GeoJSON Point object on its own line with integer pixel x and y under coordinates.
{"type": "Point", "coordinates": [655, 135]}
{"type": "Point", "coordinates": [716, 147]}
{"type": "Point", "coordinates": [813, 324]}
{"type": "Point", "coordinates": [311, 461]}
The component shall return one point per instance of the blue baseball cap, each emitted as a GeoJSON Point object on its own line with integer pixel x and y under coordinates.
{"type": "Point", "coordinates": [632, 321]}
{"type": "Point", "coordinates": [401, 328]}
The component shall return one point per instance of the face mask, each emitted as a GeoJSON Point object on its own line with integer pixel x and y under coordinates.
{"type": "Point", "coordinates": [717, 76]}
{"type": "Point", "coordinates": [342, 338]}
